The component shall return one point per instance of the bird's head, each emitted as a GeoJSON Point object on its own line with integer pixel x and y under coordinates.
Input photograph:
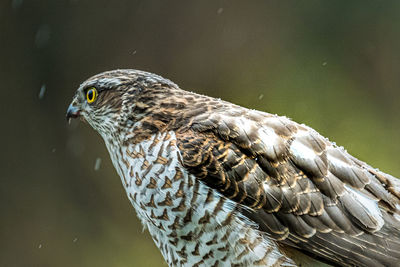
{"type": "Point", "coordinates": [114, 98]}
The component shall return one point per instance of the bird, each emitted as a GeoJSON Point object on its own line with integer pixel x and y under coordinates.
{"type": "Point", "coordinates": [217, 184]}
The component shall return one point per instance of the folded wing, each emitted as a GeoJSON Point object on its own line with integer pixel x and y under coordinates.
{"type": "Point", "coordinates": [299, 188]}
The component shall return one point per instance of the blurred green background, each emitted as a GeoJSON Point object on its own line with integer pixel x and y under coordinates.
{"type": "Point", "coordinates": [333, 65]}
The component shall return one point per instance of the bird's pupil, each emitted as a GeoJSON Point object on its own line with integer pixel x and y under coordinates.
{"type": "Point", "coordinates": [90, 95]}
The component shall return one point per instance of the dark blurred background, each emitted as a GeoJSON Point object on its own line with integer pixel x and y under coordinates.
{"type": "Point", "coordinates": [333, 65]}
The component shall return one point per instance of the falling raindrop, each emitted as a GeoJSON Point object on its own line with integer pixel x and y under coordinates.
{"type": "Point", "coordinates": [260, 96]}
{"type": "Point", "coordinates": [42, 36]}
{"type": "Point", "coordinates": [97, 164]}
{"type": "Point", "coordinates": [220, 10]}
{"type": "Point", "coordinates": [42, 91]}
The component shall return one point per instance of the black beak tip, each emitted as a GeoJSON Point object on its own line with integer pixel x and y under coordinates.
{"type": "Point", "coordinates": [72, 112]}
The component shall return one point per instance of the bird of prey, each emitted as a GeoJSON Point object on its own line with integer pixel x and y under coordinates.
{"type": "Point", "coordinates": [217, 184]}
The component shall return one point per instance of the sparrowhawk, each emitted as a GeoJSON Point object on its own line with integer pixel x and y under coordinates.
{"type": "Point", "coordinates": [217, 184]}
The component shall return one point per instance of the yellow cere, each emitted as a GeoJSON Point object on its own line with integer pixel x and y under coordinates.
{"type": "Point", "coordinates": [91, 95]}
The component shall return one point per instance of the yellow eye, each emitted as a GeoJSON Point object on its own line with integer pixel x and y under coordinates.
{"type": "Point", "coordinates": [91, 95]}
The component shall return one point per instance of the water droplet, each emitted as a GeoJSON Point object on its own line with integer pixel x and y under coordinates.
{"type": "Point", "coordinates": [134, 52]}
{"type": "Point", "coordinates": [220, 10]}
{"type": "Point", "coordinates": [42, 91]}
{"type": "Point", "coordinates": [42, 36]}
{"type": "Point", "coordinates": [97, 164]}
{"type": "Point", "coordinates": [260, 96]}
{"type": "Point", "coordinates": [40, 246]}
{"type": "Point", "coordinates": [75, 239]}
{"type": "Point", "coordinates": [324, 63]}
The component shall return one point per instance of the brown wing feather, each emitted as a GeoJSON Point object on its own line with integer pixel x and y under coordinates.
{"type": "Point", "coordinates": [302, 190]}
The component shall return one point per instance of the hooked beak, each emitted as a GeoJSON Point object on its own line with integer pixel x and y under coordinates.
{"type": "Point", "coordinates": [72, 112]}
